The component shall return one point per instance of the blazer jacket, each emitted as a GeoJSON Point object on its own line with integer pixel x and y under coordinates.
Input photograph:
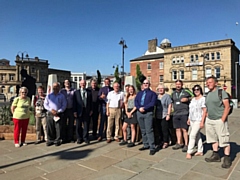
{"type": "Point", "coordinates": [78, 102]}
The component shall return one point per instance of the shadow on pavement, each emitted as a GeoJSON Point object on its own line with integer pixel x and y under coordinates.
{"type": "Point", "coordinates": [63, 154]}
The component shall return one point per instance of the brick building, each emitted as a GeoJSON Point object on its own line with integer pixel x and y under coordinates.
{"type": "Point", "coordinates": [191, 63]}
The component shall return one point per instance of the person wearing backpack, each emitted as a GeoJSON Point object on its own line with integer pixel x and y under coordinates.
{"type": "Point", "coordinates": [217, 131]}
{"type": "Point", "coordinates": [40, 115]}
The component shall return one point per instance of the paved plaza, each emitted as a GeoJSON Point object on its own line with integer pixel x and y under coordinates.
{"type": "Point", "coordinates": [100, 160]}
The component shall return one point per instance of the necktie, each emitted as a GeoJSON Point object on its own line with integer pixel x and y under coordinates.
{"type": "Point", "coordinates": [143, 98]}
{"type": "Point", "coordinates": [84, 98]}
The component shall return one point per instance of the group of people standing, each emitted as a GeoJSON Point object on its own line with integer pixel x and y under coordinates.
{"type": "Point", "coordinates": [153, 112]}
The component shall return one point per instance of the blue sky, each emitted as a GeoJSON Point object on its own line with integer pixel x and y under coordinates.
{"type": "Point", "coordinates": [83, 35]}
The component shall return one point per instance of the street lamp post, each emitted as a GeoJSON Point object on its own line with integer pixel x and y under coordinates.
{"type": "Point", "coordinates": [124, 46]}
{"type": "Point", "coordinates": [236, 79]}
{"type": "Point", "coordinates": [22, 55]}
{"type": "Point", "coordinates": [203, 55]}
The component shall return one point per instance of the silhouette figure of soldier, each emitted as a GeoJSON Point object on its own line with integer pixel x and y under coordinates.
{"type": "Point", "coordinates": [29, 83]}
{"type": "Point", "coordinates": [17, 89]}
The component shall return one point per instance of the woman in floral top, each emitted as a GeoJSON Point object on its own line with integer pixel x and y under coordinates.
{"type": "Point", "coordinates": [196, 121]}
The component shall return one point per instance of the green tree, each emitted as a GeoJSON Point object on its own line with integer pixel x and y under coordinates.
{"type": "Point", "coordinates": [140, 77]}
{"type": "Point", "coordinates": [99, 78]}
{"type": "Point", "coordinates": [116, 75]}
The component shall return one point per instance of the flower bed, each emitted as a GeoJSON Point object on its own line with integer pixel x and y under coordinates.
{"type": "Point", "coordinates": [6, 132]}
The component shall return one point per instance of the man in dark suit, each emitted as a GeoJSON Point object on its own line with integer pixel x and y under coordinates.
{"type": "Point", "coordinates": [95, 107]}
{"type": "Point", "coordinates": [82, 106]}
{"type": "Point", "coordinates": [102, 94]}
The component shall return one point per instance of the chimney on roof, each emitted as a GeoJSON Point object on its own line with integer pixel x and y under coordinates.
{"type": "Point", "coordinates": [152, 45]}
{"type": "Point", "coordinates": [36, 59]}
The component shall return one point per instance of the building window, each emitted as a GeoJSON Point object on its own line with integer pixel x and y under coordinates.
{"type": "Point", "coordinates": [33, 70]}
{"type": "Point", "coordinates": [174, 75]}
{"type": "Point", "coordinates": [75, 78]}
{"type": "Point", "coordinates": [194, 74]}
{"type": "Point", "coordinates": [2, 77]}
{"type": "Point", "coordinates": [208, 72]}
{"type": "Point", "coordinates": [213, 56]}
{"type": "Point", "coordinates": [80, 78]}
{"type": "Point", "coordinates": [207, 56]}
{"type": "Point", "coordinates": [217, 72]}
{"type": "Point", "coordinates": [149, 67]}
{"type": "Point", "coordinates": [178, 60]}
{"type": "Point", "coordinates": [182, 59]}
{"type": "Point", "coordinates": [196, 57]}
{"type": "Point", "coordinates": [71, 78]}
{"type": "Point", "coordinates": [218, 56]}
{"type": "Point", "coordinates": [181, 74]}
{"type": "Point", "coordinates": [192, 58]}
{"type": "Point", "coordinates": [161, 65]}
{"type": "Point", "coordinates": [11, 77]}
{"type": "Point", "coordinates": [161, 78]}
{"type": "Point", "coordinates": [149, 78]}
{"type": "Point", "coordinates": [173, 60]}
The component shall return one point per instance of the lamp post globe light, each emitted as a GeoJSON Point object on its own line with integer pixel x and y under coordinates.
{"type": "Point", "coordinates": [124, 46]}
{"type": "Point", "coordinates": [22, 57]}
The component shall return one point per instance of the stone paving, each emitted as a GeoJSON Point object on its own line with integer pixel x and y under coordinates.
{"type": "Point", "coordinates": [103, 161]}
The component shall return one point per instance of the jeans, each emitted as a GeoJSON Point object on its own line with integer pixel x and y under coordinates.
{"type": "Point", "coordinates": [95, 120]}
{"type": "Point", "coordinates": [102, 121]}
{"type": "Point", "coordinates": [145, 121]}
{"type": "Point", "coordinates": [67, 128]}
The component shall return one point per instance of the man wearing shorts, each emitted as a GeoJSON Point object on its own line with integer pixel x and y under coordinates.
{"type": "Point", "coordinates": [181, 99]}
{"type": "Point", "coordinates": [217, 132]}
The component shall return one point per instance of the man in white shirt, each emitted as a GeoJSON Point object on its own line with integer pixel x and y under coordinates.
{"type": "Point", "coordinates": [115, 100]}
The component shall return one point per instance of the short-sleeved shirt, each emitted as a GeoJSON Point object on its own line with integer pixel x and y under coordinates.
{"type": "Point", "coordinates": [180, 108]}
{"type": "Point", "coordinates": [162, 106]}
{"type": "Point", "coordinates": [214, 105]}
{"type": "Point", "coordinates": [195, 109]}
{"type": "Point", "coordinates": [115, 99]}
{"type": "Point", "coordinates": [22, 108]}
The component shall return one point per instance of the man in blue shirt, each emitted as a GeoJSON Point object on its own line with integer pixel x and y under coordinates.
{"type": "Point", "coordinates": [55, 103]}
{"type": "Point", "coordinates": [145, 102]}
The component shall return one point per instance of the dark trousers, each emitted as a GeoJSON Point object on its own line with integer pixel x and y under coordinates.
{"type": "Point", "coordinates": [94, 119]}
{"type": "Point", "coordinates": [82, 126]}
{"type": "Point", "coordinates": [67, 125]}
{"type": "Point", "coordinates": [53, 129]}
{"type": "Point", "coordinates": [145, 121]}
{"type": "Point", "coordinates": [161, 131]}
{"type": "Point", "coordinates": [103, 120]}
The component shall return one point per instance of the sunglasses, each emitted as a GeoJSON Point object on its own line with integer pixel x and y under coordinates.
{"type": "Point", "coordinates": [145, 83]}
{"type": "Point", "coordinates": [197, 89]}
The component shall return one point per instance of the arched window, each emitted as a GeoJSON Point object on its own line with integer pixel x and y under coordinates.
{"type": "Point", "coordinates": [174, 60]}
{"type": "Point", "coordinates": [192, 58]}
{"type": "Point", "coordinates": [218, 56]}
{"type": "Point", "coordinates": [196, 57]}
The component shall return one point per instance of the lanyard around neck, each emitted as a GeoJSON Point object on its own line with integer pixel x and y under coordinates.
{"type": "Point", "coordinates": [178, 96]}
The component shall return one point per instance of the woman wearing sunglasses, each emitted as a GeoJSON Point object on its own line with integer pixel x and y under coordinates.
{"type": "Point", "coordinates": [196, 121]}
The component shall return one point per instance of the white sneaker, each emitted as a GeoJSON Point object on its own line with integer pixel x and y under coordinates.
{"type": "Point", "coordinates": [17, 145]}
{"type": "Point", "coordinates": [24, 144]}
